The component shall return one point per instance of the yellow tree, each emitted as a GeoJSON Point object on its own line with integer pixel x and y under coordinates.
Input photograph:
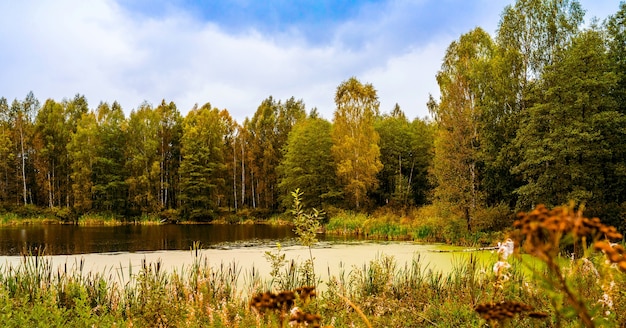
{"type": "Point", "coordinates": [355, 141]}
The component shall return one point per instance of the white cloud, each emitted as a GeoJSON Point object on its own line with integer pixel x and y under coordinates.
{"type": "Point", "coordinates": [408, 80]}
{"type": "Point", "coordinates": [58, 48]}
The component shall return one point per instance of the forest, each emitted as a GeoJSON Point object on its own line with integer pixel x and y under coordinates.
{"type": "Point", "coordinates": [534, 114]}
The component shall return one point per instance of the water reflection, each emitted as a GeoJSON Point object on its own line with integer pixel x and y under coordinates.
{"type": "Point", "coordinates": [66, 239]}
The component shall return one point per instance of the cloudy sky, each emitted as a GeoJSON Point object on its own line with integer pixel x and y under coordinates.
{"type": "Point", "coordinates": [235, 53]}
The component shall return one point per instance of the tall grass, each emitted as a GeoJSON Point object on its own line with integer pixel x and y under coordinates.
{"type": "Point", "coordinates": [388, 294]}
{"type": "Point", "coordinates": [427, 224]}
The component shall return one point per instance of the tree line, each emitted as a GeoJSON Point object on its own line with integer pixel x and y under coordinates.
{"type": "Point", "coordinates": [534, 114]}
{"type": "Point", "coordinates": [76, 160]}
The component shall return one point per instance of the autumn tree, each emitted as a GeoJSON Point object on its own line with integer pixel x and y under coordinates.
{"type": "Point", "coordinates": [355, 141]}
{"type": "Point", "coordinates": [456, 164]}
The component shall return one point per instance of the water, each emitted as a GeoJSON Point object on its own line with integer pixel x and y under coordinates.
{"type": "Point", "coordinates": [106, 248]}
{"type": "Point", "coordinates": [71, 239]}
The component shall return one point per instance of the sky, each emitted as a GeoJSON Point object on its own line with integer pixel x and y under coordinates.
{"type": "Point", "coordinates": [234, 54]}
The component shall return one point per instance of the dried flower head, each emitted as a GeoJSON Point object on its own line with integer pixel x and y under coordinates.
{"type": "Point", "coordinates": [614, 253]}
{"type": "Point", "coordinates": [306, 292]}
{"type": "Point", "coordinates": [505, 310]}
{"type": "Point", "coordinates": [264, 301]}
{"type": "Point", "coordinates": [299, 318]}
{"type": "Point", "coordinates": [542, 229]}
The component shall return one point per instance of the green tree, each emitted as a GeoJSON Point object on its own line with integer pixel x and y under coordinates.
{"type": "Point", "coordinates": [202, 167]}
{"type": "Point", "coordinates": [50, 140]}
{"type": "Point", "coordinates": [22, 114]}
{"type": "Point", "coordinates": [169, 137]}
{"type": "Point", "coordinates": [572, 140]}
{"type": "Point", "coordinates": [82, 150]}
{"type": "Point", "coordinates": [110, 190]}
{"type": "Point", "coordinates": [616, 29]}
{"type": "Point", "coordinates": [528, 36]}
{"type": "Point", "coordinates": [7, 156]}
{"type": "Point", "coordinates": [420, 159]}
{"type": "Point", "coordinates": [143, 164]}
{"type": "Point", "coordinates": [231, 156]}
{"type": "Point", "coordinates": [355, 141]}
{"type": "Point", "coordinates": [268, 130]}
{"type": "Point", "coordinates": [308, 165]}
{"type": "Point", "coordinates": [405, 152]}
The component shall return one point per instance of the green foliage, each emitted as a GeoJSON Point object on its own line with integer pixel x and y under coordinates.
{"type": "Point", "coordinates": [308, 164]}
{"type": "Point", "coordinates": [406, 154]}
{"type": "Point", "coordinates": [268, 132]}
{"type": "Point", "coordinates": [201, 166]}
{"type": "Point", "coordinates": [576, 158]}
{"type": "Point", "coordinates": [306, 227]}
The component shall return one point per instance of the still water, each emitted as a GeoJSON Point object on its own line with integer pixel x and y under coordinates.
{"type": "Point", "coordinates": [71, 239]}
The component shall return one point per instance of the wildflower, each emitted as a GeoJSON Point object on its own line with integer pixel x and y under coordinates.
{"type": "Point", "coordinates": [506, 249]}
{"type": "Point", "coordinates": [500, 266]}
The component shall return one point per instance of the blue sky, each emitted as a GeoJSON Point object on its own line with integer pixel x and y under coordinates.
{"type": "Point", "coordinates": [236, 53]}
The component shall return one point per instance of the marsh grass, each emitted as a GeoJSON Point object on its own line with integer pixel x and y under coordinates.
{"type": "Point", "coordinates": [379, 293]}
{"type": "Point", "coordinates": [426, 224]}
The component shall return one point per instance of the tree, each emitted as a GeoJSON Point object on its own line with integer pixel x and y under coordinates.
{"type": "Point", "coordinates": [572, 141]}
{"type": "Point", "coordinates": [22, 114]}
{"type": "Point", "coordinates": [355, 141]}
{"type": "Point", "coordinates": [231, 155]}
{"type": "Point", "coordinates": [110, 189]}
{"type": "Point", "coordinates": [395, 154]}
{"type": "Point", "coordinates": [50, 139]}
{"type": "Point", "coordinates": [616, 29]}
{"type": "Point", "coordinates": [406, 154]}
{"type": "Point", "coordinates": [143, 164]}
{"type": "Point", "coordinates": [456, 163]}
{"type": "Point", "coordinates": [202, 166]}
{"type": "Point", "coordinates": [169, 135]}
{"type": "Point", "coordinates": [529, 34]}
{"type": "Point", "coordinates": [421, 158]}
{"type": "Point", "coordinates": [82, 150]}
{"type": "Point", "coordinates": [7, 156]}
{"type": "Point", "coordinates": [268, 130]}
{"type": "Point", "coordinates": [307, 164]}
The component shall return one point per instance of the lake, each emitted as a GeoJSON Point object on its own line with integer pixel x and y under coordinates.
{"type": "Point", "coordinates": [71, 239]}
{"type": "Point", "coordinates": [120, 248]}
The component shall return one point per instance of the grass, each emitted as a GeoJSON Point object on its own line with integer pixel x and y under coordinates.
{"type": "Point", "coordinates": [424, 225]}
{"type": "Point", "coordinates": [380, 293]}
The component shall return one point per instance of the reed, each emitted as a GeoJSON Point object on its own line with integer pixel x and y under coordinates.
{"type": "Point", "coordinates": [380, 293]}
